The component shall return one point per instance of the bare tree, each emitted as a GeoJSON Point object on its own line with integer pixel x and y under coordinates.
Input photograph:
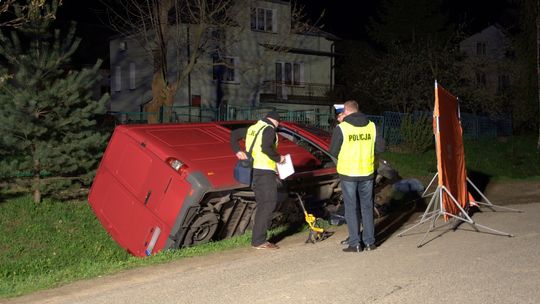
{"type": "Point", "coordinates": [30, 9]}
{"type": "Point", "coordinates": [198, 26]}
{"type": "Point", "coordinates": [4, 6]}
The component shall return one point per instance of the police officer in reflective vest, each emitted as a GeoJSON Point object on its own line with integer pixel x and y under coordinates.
{"type": "Point", "coordinates": [264, 181]}
{"type": "Point", "coordinates": [353, 144]}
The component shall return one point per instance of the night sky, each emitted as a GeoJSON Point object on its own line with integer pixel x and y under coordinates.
{"type": "Point", "coordinates": [346, 19]}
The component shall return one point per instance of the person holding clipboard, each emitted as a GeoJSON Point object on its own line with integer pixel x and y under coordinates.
{"type": "Point", "coordinates": [264, 138]}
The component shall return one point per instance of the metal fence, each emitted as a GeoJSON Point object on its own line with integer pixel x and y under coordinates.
{"type": "Point", "coordinates": [133, 117]}
{"type": "Point", "coordinates": [390, 123]}
{"type": "Point", "coordinates": [473, 126]}
{"type": "Point", "coordinates": [188, 114]}
{"type": "Point", "coordinates": [245, 113]}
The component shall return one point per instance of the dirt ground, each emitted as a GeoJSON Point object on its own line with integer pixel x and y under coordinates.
{"type": "Point", "coordinates": [461, 266]}
{"type": "Point", "coordinates": [503, 192]}
{"type": "Point", "coordinates": [521, 192]}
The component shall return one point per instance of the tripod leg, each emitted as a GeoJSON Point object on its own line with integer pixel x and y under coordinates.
{"type": "Point", "coordinates": [428, 214]}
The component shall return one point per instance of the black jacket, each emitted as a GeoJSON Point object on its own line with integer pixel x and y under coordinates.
{"type": "Point", "coordinates": [357, 119]}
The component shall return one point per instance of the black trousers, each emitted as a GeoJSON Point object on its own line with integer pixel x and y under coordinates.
{"type": "Point", "coordinates": [265, 188]}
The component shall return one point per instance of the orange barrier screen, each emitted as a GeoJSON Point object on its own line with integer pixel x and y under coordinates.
{"type": "Point", "coordinates": [449, 149]}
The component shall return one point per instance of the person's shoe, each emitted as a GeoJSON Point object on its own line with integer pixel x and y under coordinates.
{"type": "Point", "coordinates": [266, 245]}
{"type": "Point", "coordinates": [356, 249]}
{"type": "Point", "coordinates": [345, 241]}
{"type": "Point", "coordinates": [370, 247]}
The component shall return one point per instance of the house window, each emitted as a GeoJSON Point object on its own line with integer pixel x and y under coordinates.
{"type": "Point", "coordinates": [288, 73]}
{"type": "Point", "coordinates": [480, 48]}
{"type": "Point", "coordinates": [122, 46]}
{"type": "Point", "coordinates": [296, 73]}
{"type": "Point", "coordinates": [132, 85]}
{"type": "Point", "coordinates": [481, 79]}
{"type": "Point", "coordinates": [291, 73]}
{"type": "Point", "coordinates": [510, 54]}
{"type": "Point", "coordinates": [117, 87]}
{"type": "Point", "coordinates": [504, 83]}
{"type": "Point", "coordinates": [224, 69]}
{"type": "Point", "coordinates": [263, 19]}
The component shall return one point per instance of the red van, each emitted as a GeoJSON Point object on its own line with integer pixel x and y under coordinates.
{"type": "Point", "coordinates": [171, 185]}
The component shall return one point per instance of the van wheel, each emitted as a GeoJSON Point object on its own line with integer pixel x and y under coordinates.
{"type": "Point", "coordinates": [202, 229]}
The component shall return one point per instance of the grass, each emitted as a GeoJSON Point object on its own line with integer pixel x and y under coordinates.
{"type": "Point", "coordinates": [501, 159]}
{"type": "Point", "coordinates": [53, 243]}
{"type": "Point", "coordinates": [511, 158]}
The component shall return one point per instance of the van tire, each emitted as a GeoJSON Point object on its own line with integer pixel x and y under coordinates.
{"type": "Point", "coordinates": [202, 229]}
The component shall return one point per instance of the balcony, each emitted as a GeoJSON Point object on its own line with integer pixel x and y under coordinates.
{"type": "Point", "coordinates": [301, 93]}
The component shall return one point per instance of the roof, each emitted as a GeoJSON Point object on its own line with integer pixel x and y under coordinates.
{"type": "Point", "coordinates": [319, 32]}
{"type": "Point", "coordinates": [299, 50]}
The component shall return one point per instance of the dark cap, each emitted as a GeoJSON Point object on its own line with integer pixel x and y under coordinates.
{"type": "Point", "coordinates": [274, 115]}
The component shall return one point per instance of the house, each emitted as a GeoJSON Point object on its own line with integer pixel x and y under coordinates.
{"type": "Point", "coordinates": [260, 62]}
{"type": "Point", "coordinates": [489, 59]}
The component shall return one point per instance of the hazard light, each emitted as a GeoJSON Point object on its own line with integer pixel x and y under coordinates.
{"type": "Point", "coordinates": [176, 164]}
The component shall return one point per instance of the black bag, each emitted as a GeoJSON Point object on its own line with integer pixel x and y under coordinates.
{"type": "Point", "coordinates": [244, 167]}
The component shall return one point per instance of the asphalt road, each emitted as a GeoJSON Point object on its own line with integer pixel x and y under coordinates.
{"type": "Point", "coordinates": [462, 266]}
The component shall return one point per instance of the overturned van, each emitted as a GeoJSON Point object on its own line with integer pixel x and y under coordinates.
{"type": "Point", "coordinates": [170, 186]}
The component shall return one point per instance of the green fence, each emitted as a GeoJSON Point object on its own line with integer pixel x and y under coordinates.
{"type": "Point", "coordinates": [175, 114]}
{"type": "Point", "coordinates": [133, 117]}
{"type": "Point", "coordinates": [188, 114]}
{"type": "Point", "coordinates": [246, 113]}
{"type": "Point", "coordinates": [474, 126]}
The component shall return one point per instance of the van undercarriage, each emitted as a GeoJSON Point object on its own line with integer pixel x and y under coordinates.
{"type": "Point", "coordinates": [225, 214]}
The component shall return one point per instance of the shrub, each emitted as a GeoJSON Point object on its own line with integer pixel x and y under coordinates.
{"type": "Point", "coordinates": [416, 133]}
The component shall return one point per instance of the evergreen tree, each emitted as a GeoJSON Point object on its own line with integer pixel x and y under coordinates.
{"type": "Point", "coordinates": [47, 112]}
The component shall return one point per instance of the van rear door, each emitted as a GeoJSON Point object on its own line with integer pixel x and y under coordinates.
{"type": "Point", "coordinates": [128, 191]}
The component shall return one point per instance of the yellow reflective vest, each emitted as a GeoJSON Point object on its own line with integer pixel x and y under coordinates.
{"type": "Point", "coordinates": [260, 160]}
{"type": "Point", "coordinates": [357, 154]}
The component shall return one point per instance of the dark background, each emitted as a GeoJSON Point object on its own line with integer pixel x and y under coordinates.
{"type": "Point", "coordinates": [345, 19]}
